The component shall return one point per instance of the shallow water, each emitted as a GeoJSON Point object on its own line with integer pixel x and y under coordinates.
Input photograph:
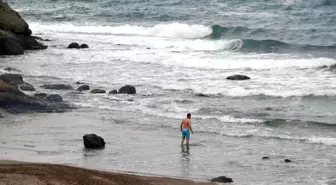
{"type": "Point", "coordinates": [133, 147]}
{"type": "Point", "coordinates": [172, 51]}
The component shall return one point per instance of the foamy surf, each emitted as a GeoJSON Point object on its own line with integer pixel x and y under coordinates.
{"type": "Point", "coordinates": [172, 30]}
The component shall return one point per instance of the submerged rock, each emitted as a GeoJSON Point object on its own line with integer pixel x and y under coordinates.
{"type": "Point", "coordinates": [238, 77]}
{"type": "Point", "coordinates": [127, 89]}
{"type": "Point", "coordinates": [202, 95]}
{"type": "Point", "coordinates": [222, 179]}
{"type": "Point", "coordinates": [57, 86]}
{"type": "Point", "coordinates": [26, 87]}
{"type": "Point", "coordinates": [93, 141]}
{"type": "Point", "coordinates": [74, 45]}
{"type": "Point", "coordinates": [83, 88]}
{"type": "Point", "coordinates": [97, 91]}
{"type": "Point", "coordinates": [40, 95]}
{"type": "Point", "coordinates": [10, 69]}
{"type": "Point", "coordinates": [113, 92]}
{"type": "Point", "coordinates": [54, 98]}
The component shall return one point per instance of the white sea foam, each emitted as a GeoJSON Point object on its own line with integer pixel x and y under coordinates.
{"type": "Point", "coordinates": [172, 30]}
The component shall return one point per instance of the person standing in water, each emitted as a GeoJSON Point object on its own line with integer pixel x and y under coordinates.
{"type": "Point", "coordinates": [186, 128]}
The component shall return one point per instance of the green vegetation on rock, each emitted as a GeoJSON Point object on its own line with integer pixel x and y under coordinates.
{"type": "Point", "coordinates": [6, 34]}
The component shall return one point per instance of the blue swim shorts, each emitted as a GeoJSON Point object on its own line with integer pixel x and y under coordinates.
{"type": "Point", "coordinates": [186, 133]}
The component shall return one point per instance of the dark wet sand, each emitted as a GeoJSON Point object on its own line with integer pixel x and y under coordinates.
{"type": "Point", "coordinates": [21, 173]}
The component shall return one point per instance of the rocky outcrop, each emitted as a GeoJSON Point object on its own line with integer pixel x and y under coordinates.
{"type": "Point", "coordinates": [93, 141]}
{"type": "Point", "coordinates": [83, 88]}
{"type": "Point", "coordinates": [13, 79]}
{"type": "Point", "coordinates": [10, 20]}
{"type": "Point", "coordinates": [15, 35]}
{"type": "Point", "coordinates": [127, 89]}
{"type": "Point", "coordinates": [238, 77]}
{"type": "Point", "coordinates": [14, 101]}
{"type": "Point", "coordinates": [222, 179]}
{"type": "Point", "coordinates": [57, 86]}
{"type": "Point", "coordinates": [97, 91]}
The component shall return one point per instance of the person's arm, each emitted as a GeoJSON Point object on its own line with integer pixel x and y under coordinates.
{"type": "Point", "coordinates": [181, 125]}
{"type": "Point", "coordinates": [191, 128]}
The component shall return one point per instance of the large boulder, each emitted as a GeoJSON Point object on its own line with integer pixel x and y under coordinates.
{"type": "Point", "coordinates": [238, 77]}
{"type": "Point", "coordinates": [15, 35]}
{"type": "Point", "coordinates": [83, 88]}
{"type": "Point", "coordinates": [57, 86]}
{"type": "Point", "coordinates": [127, 89]}
{"type": "Point", "coordinates": [13, 79]}
{"type": "Point", "coordinates": [10, 46]}
{"type": "Point", "coordinates": [10, 20]}
{"type": "Point", "coordinates": [222, 179]}
{"type": "Point", "coordinates": [93, 141]}
{"type": "Point", "coordinates": [97, 91]}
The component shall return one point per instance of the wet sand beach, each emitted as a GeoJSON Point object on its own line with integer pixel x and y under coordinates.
{"type": "Point", "coordinates": [17, 173]}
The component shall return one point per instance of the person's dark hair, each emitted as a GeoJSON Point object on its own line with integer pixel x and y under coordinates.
{"type": "Point", "coordinates": [188, 115]}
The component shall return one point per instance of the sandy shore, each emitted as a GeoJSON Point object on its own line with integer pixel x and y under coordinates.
{"type": "Point", "coordinates": [21, 173]}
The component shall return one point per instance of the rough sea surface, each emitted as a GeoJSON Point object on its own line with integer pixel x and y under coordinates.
{"type": "Point", "coordinates": [172, 51]}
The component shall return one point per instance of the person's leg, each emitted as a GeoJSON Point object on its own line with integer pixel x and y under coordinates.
{"type": "Point", "coordinates": [182, 141]}
{"type": "Point", "coordinates": [188, 137]}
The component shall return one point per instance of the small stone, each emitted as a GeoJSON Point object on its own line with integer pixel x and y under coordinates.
{"type": "Point", "coordinates": [74, 45]}
{"type": "Point", "coordinates": [83, 88]}
{"type": "Point", "coordinates": [287, 161]}
{"type": "Point", "coordinates": [97, 91]}
{"type": "Point", "coordinates": [265, 158]}
{"type": "Point", "coordinates": [222, 179]}
{"type": "Point", "coordinates": [83, 46]}
{"type": "Point", "coordinates": [238, 77]}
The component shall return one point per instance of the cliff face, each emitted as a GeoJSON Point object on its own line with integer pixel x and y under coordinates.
{"type": "Point", "coordinates": [15, 35]}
